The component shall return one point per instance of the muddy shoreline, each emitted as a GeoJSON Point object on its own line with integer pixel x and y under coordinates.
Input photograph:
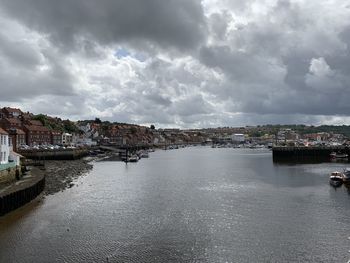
{"type": "Point", "coordinates": [61, 174]}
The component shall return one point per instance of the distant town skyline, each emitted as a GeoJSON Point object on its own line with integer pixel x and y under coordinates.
{"type": "Point", "coordinates": [178, 63]}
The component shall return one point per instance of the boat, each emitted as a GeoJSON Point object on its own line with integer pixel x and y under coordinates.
{"type": "Point", "coordinates": [338, 155]}
{"type": "Point", "coordinates": [336, 179]}
{"type": "Point", "coordinates": [133, 158]}
{"type": "Point", "coordinates": [346, 176]}
{"type": "Point", "coordinates": [144, 154]}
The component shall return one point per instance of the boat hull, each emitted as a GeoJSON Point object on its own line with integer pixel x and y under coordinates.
{"type": "Point", "coordinates": [335, 183]}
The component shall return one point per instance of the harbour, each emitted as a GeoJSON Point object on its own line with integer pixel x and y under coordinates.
{"type": "Point", "coordinates": [197, 204]}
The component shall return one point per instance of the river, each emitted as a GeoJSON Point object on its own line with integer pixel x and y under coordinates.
{"type": "Point", "coordinates": [189, 205]}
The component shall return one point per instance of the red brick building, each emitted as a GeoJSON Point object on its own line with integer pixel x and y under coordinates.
{"type": "Point", "coordinates": [37, 135]}
{"type": "Point", "coordinates": [56, 138]}
{"type": "Point", "coordinates": [8, 123]}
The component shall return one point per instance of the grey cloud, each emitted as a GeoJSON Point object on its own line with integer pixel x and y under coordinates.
{"type": "Point", "coordinates": [19, 52]}
{"type": "Point", "coordinates": [194, 105]}
{"type": "Point", "coordinates": [71, 107]}
{"type": "Point", "coordinates": [219, 23]}
{"type": "Point", "coordinates": [285, 64]}
{"type": "Point", "coordinates": [172, 23]}
{"type": "Point", "coordinates": [267, 65]}
{"type": "Point", "coordinates": [27, 71]}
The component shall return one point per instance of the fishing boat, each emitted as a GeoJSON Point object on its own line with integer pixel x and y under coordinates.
{"type": "Point", "coordinates": [336, 179]}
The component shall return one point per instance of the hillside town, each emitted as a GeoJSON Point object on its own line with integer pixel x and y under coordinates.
{"type": "Point", "coordinates": [25, 130]}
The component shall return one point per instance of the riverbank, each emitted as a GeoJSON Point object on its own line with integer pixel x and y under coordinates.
{"type": "Point", "coordinates": [61, 174]}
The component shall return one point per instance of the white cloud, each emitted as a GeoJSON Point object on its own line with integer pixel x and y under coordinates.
{"type": "Point", "coordinates": [181, 63]}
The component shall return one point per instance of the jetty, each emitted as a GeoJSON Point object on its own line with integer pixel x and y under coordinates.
{"type": "Point", "coordinates": [320, 153]}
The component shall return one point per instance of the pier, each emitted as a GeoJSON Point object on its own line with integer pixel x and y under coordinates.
{"type": "Point", "coordinates": [319, 153]}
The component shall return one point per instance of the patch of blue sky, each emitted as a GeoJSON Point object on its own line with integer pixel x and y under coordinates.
{"type": "Point", "coordinates": [121, 53]}
{"type": "Point", "coordinates": [140, 57]}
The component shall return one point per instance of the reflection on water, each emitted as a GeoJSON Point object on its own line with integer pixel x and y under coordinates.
{"type": "Point", "coordinates": [187, 205]}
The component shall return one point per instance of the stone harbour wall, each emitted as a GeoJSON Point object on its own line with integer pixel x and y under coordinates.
{"type": "Point", "coordinates": [16, 196]}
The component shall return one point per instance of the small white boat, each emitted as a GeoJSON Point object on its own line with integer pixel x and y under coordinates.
{"type": "Point", "coordinates": [336, 179]}
{"type": "Point", "coordinates": [133, 159]}
{"type": "Point", "coordinates": [144, 155]}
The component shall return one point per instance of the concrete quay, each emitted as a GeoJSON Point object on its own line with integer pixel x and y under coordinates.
{"type": "Point", "coordinates": [306, 153]}
{"type": "Point", "coordinates": [19, 193]}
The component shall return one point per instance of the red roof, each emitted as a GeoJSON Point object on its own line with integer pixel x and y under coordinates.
{"type": "Point", "coordinates": [19, 131]}
{"type": "Point", "coordinates": [9, 109]}
{"type": "Point", "coordinates": [36, 128]}
{"type": "Point", "coordinates": [35, 122]}
{"type": "Point", "coordinates": [16, 130]}
{"type": "Point", "coordinates": [14, 121]}
{"type": "Point", "coordinates": [3, 131]}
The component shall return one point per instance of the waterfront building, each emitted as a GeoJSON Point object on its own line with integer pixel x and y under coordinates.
{"type": "Point", "coordinates": [67, 139]}
{"type": "Point", "coordinates": [82, 140]}
{"type": "Point", "coordinates": [37, 135]}
{"type": "Point", "coordinates": [56, 138]}
{"type": "Point", "coordinates": [238, 137]}
{"type": "Point", "coordinates": [17, 137]}
{"type": "Point", "coordinates": [4, 147]}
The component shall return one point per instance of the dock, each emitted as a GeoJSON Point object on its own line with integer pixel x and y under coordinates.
{"type": "Point", "coordinates": [321, 153]}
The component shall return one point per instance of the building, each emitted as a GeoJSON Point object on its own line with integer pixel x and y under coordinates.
{"type": "Point", "coordinates": [4, 147]}
{"type": "Point", "coordinates": [67, 139]}
{"type": "Point", "coordinates": [8, 123]}
{"type": "Point", "coordinates": [33, 122]}
{"type": "Point", "coordinates": [238, 137]}
{"type": "Point", "coordinates": [82, 140]}
{"type": "Point", "coordinates": [11, 112]}
{"type": "Point", "coordinates": [56, 138]}
{"type": "Point", "coordinates": [17, 138]}
{"type": "Point", "coordinates": [37, 135]}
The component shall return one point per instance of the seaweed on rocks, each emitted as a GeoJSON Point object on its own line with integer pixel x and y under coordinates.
{"type": "Point", "coordinates": [61, 174]}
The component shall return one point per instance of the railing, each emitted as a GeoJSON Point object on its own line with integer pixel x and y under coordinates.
{"type": "Point", "coordinates": [7, 165]}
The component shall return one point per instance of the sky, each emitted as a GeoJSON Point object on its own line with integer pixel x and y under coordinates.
{"type": "Point", "coordinates": [178, 63]}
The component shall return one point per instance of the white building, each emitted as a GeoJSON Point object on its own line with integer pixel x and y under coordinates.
{"type": "Point", "coordinates": [4, 147]}
{"type": "Point", "coordinates": [67, 138]}
{"type": "Point", "coordinates": [82, 140]}
{"type": "Point", "coordinates": [238, 137]}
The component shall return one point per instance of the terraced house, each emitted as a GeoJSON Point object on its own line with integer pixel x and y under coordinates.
{"type": "Point", "coordinates": [4, 147]}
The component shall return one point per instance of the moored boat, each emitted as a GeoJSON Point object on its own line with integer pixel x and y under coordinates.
{"type": "Point", "coordinates": [336, 179]}
{"type": "Point", "coordinates": [346, 176]}
{"type": "Point", "coordinates": [144, 155]}
{"type": "Point", "coordinates": [133, 159]}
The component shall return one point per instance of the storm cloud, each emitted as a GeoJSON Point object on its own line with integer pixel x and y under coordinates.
{"type": "Point", "coordinates": [184, 63]}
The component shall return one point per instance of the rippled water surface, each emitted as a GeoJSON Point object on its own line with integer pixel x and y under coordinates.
{"type": "Point", "coordinates": [188, 205]}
